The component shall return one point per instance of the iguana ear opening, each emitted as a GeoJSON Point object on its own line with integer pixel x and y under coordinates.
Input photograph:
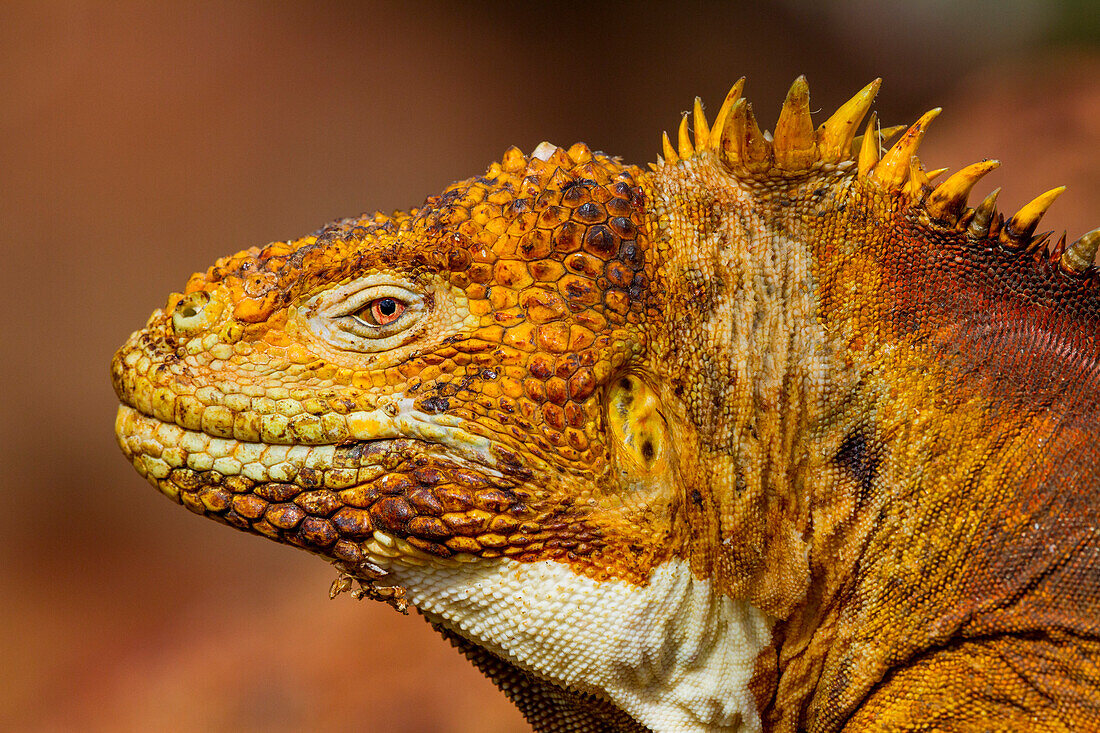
{"type": "Point", "coordinates": [639, 432]}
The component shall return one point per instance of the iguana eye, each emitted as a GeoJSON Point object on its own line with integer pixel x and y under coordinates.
{"type": "Point", "coordinates": [371, 314]}
{"type": "Point", "coordinates": [381, 312]}
{"type": "Point", "coordinates": [378, 312]}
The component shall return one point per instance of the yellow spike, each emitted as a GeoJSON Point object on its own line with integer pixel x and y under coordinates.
{"type": "Point", "coordinates": [893, 169]}
{"type": "Point", "coordinates": [983, 216]}
{"type": "Point", "coordinates": [793, 143]}
{"type": "Point", "coordinates": [933, 175]}
{"type": "Point", "coordinates": [702, 130]}
{"type": "Point", "coordinates": [671, 158]}
{"type": "Point", "coordinates": [834, 137]}
{"type": "Point", "coordinates": [868, 151]}
{"type": "Point", "coordinates": [1081, 254]}
{"type": "Point", "coordinates": [918, 180]}
{"type": "Point", "coordinates": [948, 201]}
{"type": "Point", "coordinates": [684, 147]}
{"type": "Point", "coordinates": [1017, 231]}
{"type": "Point", "coordinates": [742, 143]}
{"type": "Point", "coordinates": [731, 145]}
{"type": "Point", "coordinates": [758, 151]}
{"type": "Point", "coordinates": [723, 113]}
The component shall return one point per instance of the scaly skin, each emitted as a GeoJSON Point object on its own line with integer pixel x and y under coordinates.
{"type": "Point", "coordinates": [777, 435]}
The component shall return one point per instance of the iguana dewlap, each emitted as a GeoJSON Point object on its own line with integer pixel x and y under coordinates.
{"type": "Point", "coordinates": [776, 435]}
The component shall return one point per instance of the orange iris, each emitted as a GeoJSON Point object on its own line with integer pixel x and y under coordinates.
{"type": "Point", "coordinates": [384, 311]}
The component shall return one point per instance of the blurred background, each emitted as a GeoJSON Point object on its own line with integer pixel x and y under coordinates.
{"type": "Point", "coordinates": [140, 141]}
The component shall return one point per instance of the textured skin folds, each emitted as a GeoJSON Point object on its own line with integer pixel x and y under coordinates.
{"type": "Point", "coordinates": [777, 435]}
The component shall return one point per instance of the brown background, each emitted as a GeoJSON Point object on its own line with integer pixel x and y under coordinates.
{"type": "Point", "coordinates": [138, 143]}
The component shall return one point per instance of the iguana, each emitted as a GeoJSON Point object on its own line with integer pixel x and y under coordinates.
{"type": "Point", "coordinates": [776, 434]}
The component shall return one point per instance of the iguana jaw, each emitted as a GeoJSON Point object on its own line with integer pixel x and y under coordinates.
{"type": "Point", "coordinates": [310, 496]}
{"type": "Point", "coordinates": [688, 669]}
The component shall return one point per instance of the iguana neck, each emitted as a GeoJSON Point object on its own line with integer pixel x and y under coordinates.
{"type": "Point", "coordinates": [758, 381]}
{"type": "Point", "coordinates": [795, 306]}
{"type": "Point", "coordinates": [829, 357]}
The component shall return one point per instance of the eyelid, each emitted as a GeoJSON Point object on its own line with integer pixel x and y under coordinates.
{"type": "Point", "coordinates": [435, 309]}
{"type": "Point", "coordinates": [333, 314]}
{"type": "Point", "coordinates": [360, 299]}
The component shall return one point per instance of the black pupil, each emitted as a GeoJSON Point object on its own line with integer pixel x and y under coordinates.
{"type": "Point", "coordinates": [387, 306]}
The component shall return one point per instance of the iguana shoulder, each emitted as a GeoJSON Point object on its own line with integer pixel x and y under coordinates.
{"type": "Point", "coordinates": [776, 434]}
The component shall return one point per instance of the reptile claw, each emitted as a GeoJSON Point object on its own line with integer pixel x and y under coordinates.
{"type": "Point", "coordinates": [365, 575]}
{"type": "Point", "coordinates": [342, 584]}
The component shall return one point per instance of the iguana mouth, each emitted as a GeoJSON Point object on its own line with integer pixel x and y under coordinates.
{"type": "Point", "coordinates": [161, 450]}
{"type": "Point", "coordinates": [378, 502]}
{"type": "Point", "coordinates": [317, 497]}
{"type": "Point", "coordinates": [311, 496]}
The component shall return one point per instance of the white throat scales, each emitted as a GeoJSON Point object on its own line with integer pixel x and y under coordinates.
{"type": "Point", "coordinates": [673, 654]}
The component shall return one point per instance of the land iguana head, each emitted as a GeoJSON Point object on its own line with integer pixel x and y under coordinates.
{"type": "Point", "coordinates": [595, 422]}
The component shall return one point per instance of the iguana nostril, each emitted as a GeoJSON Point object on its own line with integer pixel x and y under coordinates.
{"type": "Point", "coordinates": [188, 315]}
